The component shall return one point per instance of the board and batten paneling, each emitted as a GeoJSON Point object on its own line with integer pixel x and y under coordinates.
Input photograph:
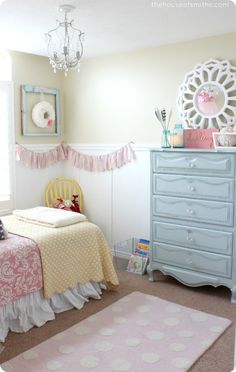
{"type": "Point", "coordinates": [117, 201]}
{"type": "Point", "coordinates": [30, 183]}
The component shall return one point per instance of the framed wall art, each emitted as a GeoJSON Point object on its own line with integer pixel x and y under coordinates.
{"type": "Point", "coordinates": [40, 111]}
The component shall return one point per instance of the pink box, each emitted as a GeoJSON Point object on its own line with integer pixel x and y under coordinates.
{"type": "Point", "coordinates": [199, 138]}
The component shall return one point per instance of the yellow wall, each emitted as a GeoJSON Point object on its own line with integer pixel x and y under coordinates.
{"type": "Point", "coordinates": [34, 70]}
{"type": "Point", "coordinates": [112, 99]}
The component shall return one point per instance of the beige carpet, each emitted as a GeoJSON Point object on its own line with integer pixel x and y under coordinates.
{"type": "Point", "coordinates": [219, 358]}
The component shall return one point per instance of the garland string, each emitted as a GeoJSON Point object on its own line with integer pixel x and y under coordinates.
{"type": "Point", "coordinates": [91, 163]}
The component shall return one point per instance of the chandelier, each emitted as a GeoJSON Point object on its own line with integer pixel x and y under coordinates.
{"type": "Point", "coordinates": [65, 47]}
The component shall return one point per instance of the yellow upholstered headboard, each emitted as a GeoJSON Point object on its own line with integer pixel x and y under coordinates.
{"type": "Point", "coordinates": [62, 188]}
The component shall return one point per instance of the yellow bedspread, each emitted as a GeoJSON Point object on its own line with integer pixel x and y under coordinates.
{"type": "Point", "coordinates": [71, 254]}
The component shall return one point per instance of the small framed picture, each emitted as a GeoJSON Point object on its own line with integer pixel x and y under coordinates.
{"type": "Point", "coordinates": [137, 264]}
{"type": "Point", "coordinates": [40, 111]}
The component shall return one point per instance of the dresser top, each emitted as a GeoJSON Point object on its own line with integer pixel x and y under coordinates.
{"type": "Point", "coordinates": [183, 150]}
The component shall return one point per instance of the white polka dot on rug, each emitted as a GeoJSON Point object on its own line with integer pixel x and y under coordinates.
{"type": "Point", "coordinates": [143, 308]}
{"type": "Point", "coordinates": [142, 322]}
{"type": "Point", "coordinates": [155, 335]}
{"type": "Point", "coordinates": [216, 329]}
{"type": "Point", "coordinates": [133, 341]}
{"type": "Point", "coordinates": [120, 320]}
{"type": "Point", "coordinates": [171, 321]}
{"type": "Point", "coordinates": [150, 357]}
{"type": "Point", "coordinates": [29, 355]}
{"type": "Point", "coordinates": [150, 297]}
{"type": "Point", "coordinates": [66, 349]}
{"type": "Point", "coordinates": [82, 330]}
{"type": "Point", "coordinates": [58, 337]}
{"type": "Point", "coordinates": [181, 363]}
{"type": "Point", "coordinates": [117, 309]}
{"type": "Point", "coordinates": [7, 367]}
{"type": "Point", "coordinates": [121, 365]}
{"type": "Point", "coordinates": [92, 318]}
{"type": "Point", "coordinates": [53, 365]}
{"type": "Point", "coordinates": [104, 346]}
{"type": "Point", "coordinates": [177, 347]}
{"type": "Point", "coordinates": [124, 299]}
{"type": "Point", "coordinates": [173, 309]}
{"type": "Point", "coordinates": [106, 331]}
{"type": "Point", "coordinates": [186, 333]}
{"type": "Point", "coordinates": [89, 361]}
{"type": "Point", "coordinates": [199, 317]}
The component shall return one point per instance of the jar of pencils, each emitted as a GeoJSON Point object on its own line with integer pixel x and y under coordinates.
{"type": "Point", "coordinates": [165, 138]}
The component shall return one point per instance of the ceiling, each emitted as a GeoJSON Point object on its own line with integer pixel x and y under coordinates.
{"type": "Point", "coordinates": [113, 26]}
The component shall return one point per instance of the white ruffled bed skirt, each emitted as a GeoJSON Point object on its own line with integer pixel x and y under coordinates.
{"type": "Point", "coordinates": [34, 310]}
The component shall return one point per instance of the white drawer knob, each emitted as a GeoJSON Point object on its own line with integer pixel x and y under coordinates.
{"type": "Point", "coordinates": [190, 211]}
{"type": "Point", "coordinates": [191, 188]}
{"type": "Point", "coordinates": [191, 165]}
{"type": "Point", "coordinates": [189, 239]}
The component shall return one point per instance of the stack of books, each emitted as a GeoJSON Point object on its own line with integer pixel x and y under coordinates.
{"type": "Point", "coordinates": [139, 258]}
{"type": "Point", "coordinates": [142, 248]}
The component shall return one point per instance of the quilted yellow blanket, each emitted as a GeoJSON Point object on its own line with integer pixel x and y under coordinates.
{"type": "Point", "coordinates": [71, 254]}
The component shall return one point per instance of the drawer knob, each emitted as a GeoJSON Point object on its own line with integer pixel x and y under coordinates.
{"type": "Point", "coordinates": [191, 165]}
{"type": "Point", "coordinates": [190, 211]}
{"type": "Point", "coordinates": [189, 239]}
{"type": "Point", "coordinates": [191, 188]}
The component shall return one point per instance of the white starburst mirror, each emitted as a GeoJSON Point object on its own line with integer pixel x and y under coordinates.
{"type": "Point", "coordinates": [207, 97]}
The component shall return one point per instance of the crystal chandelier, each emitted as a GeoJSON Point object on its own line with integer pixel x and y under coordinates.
{"type": "Point", "coordinates": [65, 47]}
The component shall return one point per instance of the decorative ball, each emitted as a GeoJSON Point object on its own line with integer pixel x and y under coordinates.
{"type": "Point", "coordinates": [227, 141]}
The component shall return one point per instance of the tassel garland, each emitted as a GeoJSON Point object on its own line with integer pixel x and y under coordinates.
{"type": "Point", "coordinates": [91, 163]}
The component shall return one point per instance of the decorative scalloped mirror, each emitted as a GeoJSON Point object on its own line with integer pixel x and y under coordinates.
{"type": "Point", "coordinates": [207, 97]}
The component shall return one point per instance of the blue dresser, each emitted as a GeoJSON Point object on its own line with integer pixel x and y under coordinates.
{"type": "Point", "coordinates": [193, 217]}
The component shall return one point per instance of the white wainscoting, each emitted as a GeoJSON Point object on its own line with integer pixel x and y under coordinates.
{"type": "Point", "coordinates": [118, 201]}
{"type": "Point", "coordinates": [30, 183]}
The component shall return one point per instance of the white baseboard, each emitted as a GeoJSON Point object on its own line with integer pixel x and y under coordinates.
{"type": "Point", "coordinates": [120, 254]}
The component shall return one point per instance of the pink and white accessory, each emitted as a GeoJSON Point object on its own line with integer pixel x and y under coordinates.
{"type": "Point", "coordinates": [20, 268]}
{"type": "Point", "coordinates": [43, 114]}
{"type": "Point", "coordinates": [101, 163]}
{"type": "Point", "coordinates": [45, 159]}
{"type": "Point", "coordinates": [206, 103]}
{"type": "Point", "coordinates": [137, 333]}
{"type": "Point", "coordinates": [91, 163]}
{"type": "Point", "coordinates": [199, 138]}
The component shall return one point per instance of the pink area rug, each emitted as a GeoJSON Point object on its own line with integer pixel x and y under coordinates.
{"type": "Point", "coordinates": [137, 333]}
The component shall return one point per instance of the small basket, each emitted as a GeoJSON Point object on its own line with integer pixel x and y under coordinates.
{"type": "Point", "coordinates": [216, 142]}
{"type": "Point", "coordinates": [125, 248]}
{"type": "Point", "coordinates": [127, 257]}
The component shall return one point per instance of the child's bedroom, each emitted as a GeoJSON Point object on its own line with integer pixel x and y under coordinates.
{"type": "Point", "coordinates": [118, 185]}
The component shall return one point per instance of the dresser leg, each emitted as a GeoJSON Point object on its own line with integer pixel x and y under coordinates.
{"type": "Point", "coordinates": [233, 295]}
{"type": "Point", "coordinates": [151, 274]}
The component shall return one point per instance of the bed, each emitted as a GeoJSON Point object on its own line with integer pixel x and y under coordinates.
{"type": "Point", "coordinates": [46, 270]}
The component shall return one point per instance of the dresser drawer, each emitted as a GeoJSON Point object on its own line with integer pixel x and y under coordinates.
{"type": "Point", "coordinates": [194, 163]}
{"type": "Point", "coordinates": [194, 210]}
{"type": "Point", "coordinates": [194, 187]}
{"type": "Point", "coordinates": [220, 242]}
{"type": "Point", "coordinates": [209, 263]}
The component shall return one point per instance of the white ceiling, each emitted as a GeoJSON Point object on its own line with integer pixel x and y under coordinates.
{"type": "Point", "coordinates": [113, 26]}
